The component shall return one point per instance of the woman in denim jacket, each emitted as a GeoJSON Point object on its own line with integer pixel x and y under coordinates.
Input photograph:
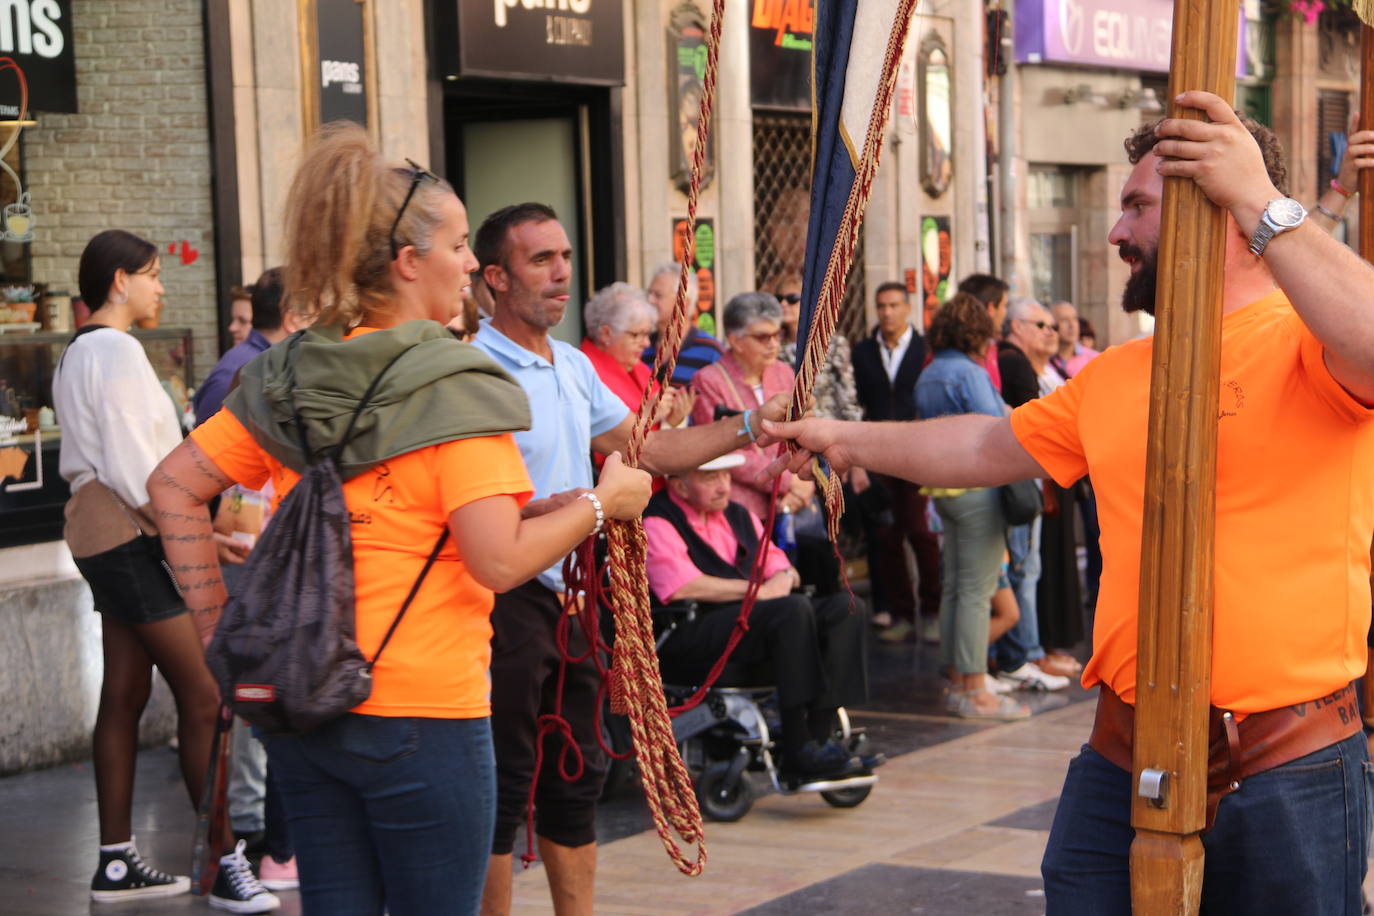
{"type": "Point", "coordinates": [975, 529]}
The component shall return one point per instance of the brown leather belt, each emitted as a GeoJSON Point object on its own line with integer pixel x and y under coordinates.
{"type": "Point", "coordinates": [1237, 750]}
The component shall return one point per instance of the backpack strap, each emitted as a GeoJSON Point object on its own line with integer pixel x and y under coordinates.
{"type": "Point", "coordinates": [352, 420]}
{"type": "Point", "coordinates": [362, 405]}
{"type": "Point", "coordinates": [414, 590]}
{"type": "Point", "coordinates": [86, 328]}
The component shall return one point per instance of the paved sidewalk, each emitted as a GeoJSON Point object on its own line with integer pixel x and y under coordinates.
{"type": "Point", "coordinates": [957, 828]}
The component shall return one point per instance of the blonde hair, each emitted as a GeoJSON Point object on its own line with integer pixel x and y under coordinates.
{"type": "Point", "coordinates": [339, 212]}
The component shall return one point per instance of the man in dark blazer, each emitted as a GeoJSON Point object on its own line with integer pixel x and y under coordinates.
{"type": "Point", "coordinates": [886, 366]}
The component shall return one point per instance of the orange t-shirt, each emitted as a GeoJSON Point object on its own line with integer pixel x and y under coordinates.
{"type": "Point", "coordinates": [436, 664]}
{"type": "Point", "coordinates": [1294, 505]}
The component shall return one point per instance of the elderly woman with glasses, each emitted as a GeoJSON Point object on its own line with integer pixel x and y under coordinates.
{"type": "Point", "coordinates": [746, 376]}
{"type": "Point", "coordinates": [620, 322]}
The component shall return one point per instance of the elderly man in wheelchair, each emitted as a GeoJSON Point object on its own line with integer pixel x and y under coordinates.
{"type": "Point", "coordinates": [701, 551]}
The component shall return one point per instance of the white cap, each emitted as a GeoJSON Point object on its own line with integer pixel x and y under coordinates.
{"type": "Point", "coordinates": [723, 462]}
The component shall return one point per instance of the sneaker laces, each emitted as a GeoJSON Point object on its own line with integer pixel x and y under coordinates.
{"type": "Point", "coordinates": [146, 871]}
{"type": "Point", "coordinates": [240, 874]}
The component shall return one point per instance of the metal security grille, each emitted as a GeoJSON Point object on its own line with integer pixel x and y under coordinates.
{"type": "Point", "coordinates": [1333, 114]}
{"type": "Point", "coordinates": [782, 189]}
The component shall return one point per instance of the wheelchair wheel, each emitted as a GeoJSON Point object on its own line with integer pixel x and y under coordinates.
{"type": "Point", "coordinates": [846, 798]}
{"type": "Point", "coordinates": [719, 800]}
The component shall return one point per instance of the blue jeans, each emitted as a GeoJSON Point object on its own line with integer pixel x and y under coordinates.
{"type": "Point", "coordinates": [1021, 643]}
{"type": "Point", "coordinates": [391, 814]}
{"type": "Point", "coordinates": [1294, 839]}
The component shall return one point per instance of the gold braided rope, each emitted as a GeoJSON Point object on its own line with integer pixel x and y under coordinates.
{"type": "Point", "coordinates": [842, 255]}
{"type": "Point", "coordinates": [636, 685]}
{"type": "Point", "coordinates": [635, 688]}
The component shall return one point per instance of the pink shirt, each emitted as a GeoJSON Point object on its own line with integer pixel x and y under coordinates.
{"type": "Point", "coordinates": [1081, 357]}
{"type": "Point", "coordinates": [669, 566]}
{"type": "Point", "coordinates": [723, 382]}
{"type": "Point", "coordinates": [990, 363]}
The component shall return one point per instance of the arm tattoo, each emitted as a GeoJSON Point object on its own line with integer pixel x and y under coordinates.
{"type": "Point", "coordinates": [207, 467]}
{"type": "Point", "coordinates": [178, 516]}
{"type": "Point", "coordinates": [177, 485]}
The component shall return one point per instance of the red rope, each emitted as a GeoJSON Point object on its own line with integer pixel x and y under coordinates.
{"type": "Point", "coordinates": [635, 684]}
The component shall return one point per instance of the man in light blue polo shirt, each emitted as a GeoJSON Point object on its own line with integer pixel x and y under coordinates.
{"type": "Point", "coordinates": [526, 262]}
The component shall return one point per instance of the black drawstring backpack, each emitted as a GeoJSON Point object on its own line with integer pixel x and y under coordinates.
{"type": "Point", "coordinates": [285, 652]}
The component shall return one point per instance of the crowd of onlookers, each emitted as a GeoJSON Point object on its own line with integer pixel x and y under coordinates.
{"type": "Point", "coordinates": [490, 447]}
{"type": "Point", "coordinates": [943, 566]}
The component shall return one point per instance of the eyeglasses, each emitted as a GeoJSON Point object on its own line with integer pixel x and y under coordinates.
{"type": "Point", "coordinates": [764, 338]}
{"type": "Point", "coordinates": [791, 298]}
{"type": "Point", "coordinates": [1042, 325]}
{"type": "Point", "coordinates": [418, 173]}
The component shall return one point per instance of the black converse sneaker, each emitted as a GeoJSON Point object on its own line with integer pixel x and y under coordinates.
{"type": "Point", "coordinates": [123, 875]}
{"type": "Point", "coordinates": [237, 889]}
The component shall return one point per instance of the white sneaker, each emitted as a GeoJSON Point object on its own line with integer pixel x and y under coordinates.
{"type": "Point", "coordinates": [1030, 677]}
{"type": "Point", "coordinates": [996, 687]}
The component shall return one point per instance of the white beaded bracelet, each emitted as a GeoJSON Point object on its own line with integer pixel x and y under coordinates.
{"type": "Point", "coordinates": [596, 504]}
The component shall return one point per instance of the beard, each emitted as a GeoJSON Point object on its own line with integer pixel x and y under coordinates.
{"type": "Point", "coordinates": [1139, 294]}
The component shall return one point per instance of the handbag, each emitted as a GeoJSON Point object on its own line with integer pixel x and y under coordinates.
{"type": "Point", "coordinates": [1022, 501]}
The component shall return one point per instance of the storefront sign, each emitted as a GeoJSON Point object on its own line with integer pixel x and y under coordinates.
{"type": "Point", "coordinates": [343, 64]}
{"type": "Point", "coordinates": [38, 35]}
{"type": "Point", "coordinates": [571, 41]}
{"type": "Point", "coordinates": [703, 264]}
{"type": "Point", "coordinates": [1122, 34]}
{"type": "Point", "coordinates": [686, 73]}
{"type": "Point", "coordinates": [780, 53]}
{"type": "Point", "coordinates": [936, 264]}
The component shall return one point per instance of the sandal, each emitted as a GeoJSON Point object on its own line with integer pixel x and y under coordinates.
{"type": "Point", "coordinates": [1006, 710]}
{"type": "Point", "coordinates": [1066, 663]}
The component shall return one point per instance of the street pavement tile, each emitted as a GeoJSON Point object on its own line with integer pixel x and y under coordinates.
{"type": "Point", "coordinates": [1002, 850]}
{"type": "Point", "coordinates": [1031, 817]}
{"type": "Point", "coordinates": [924, 891]}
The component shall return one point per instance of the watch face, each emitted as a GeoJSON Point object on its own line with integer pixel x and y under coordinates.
{"type": "Point", "coordinates": [1285, 212]}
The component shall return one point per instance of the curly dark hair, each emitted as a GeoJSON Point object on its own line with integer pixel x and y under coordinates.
{"type": "Point", "coordinates": [1139, 144]}
{"type": "Point", "coordinates": [962, 324]}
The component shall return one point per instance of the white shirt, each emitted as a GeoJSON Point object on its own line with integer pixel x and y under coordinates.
{"type": "Point", "coordinates": [117, 421]}
{"type": "Point", "coordinates": [892, 359]}
{"type": "Point", "coordinates": [1049, 380]}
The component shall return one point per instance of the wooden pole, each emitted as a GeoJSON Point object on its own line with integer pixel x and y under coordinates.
{"type": "Point", "coordinates": [1366, 188]}
{"type": "Point", "coordinates": [1366, 182]}
{"type": "Point", "coordinates": [1173, 681]}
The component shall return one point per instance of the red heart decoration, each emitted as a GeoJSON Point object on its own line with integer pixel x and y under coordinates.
{"type": "Point", "coordinates": [171, 247]}
{"type": "Point", "coordinates": [188, 254]}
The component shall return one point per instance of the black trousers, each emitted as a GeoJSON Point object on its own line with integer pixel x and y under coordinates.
{"type": "Point", "coordinates": [524, 685]}
{"type": "Point", "coordinates": [816, 647]}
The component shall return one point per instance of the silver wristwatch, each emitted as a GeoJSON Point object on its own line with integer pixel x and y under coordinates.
{"type": "Point", "coordinates": [1280, 215]}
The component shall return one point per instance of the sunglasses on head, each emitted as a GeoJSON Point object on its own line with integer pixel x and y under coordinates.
{"type": "Point", "coordinates": [418, 173]}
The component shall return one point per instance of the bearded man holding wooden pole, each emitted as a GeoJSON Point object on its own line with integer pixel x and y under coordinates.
{"type": "Point", "coordinates": [1287, 829]}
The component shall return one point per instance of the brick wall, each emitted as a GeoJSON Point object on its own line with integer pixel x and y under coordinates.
{"type": "Point", "coordinates": [137, 157]}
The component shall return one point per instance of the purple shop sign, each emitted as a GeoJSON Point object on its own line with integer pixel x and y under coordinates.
{"type": "Point", "coordinates": [1121, 34]}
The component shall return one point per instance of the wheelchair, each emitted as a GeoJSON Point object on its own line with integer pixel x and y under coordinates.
{"type": "Point", "coordinates": [730, 739]}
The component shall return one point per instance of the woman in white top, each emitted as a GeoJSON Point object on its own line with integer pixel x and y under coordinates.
{"type": "Point", "coordinates": [117, 424]}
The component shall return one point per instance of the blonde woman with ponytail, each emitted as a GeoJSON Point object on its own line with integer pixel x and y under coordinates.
{"type": "Point", "coordinates": [391, 805]}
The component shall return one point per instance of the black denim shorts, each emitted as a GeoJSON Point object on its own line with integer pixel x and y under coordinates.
{"type": "Point", "coordinates": [131, 583]}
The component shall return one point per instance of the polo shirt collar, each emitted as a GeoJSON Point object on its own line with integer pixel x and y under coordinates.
{"type": "Point", "coordinates": [499, 343]}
